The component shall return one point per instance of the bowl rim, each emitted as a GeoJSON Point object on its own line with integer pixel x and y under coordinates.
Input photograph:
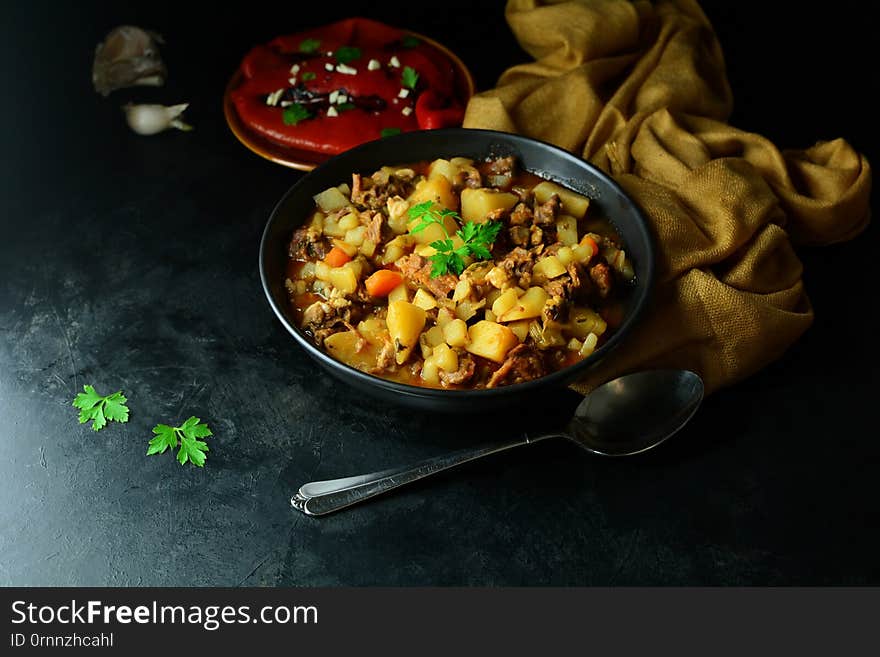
{"type": "Point", "coordinates": [561, 377]}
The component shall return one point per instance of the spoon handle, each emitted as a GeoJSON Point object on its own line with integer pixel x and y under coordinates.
{"type": "Point", "coordinates": [318, 498]}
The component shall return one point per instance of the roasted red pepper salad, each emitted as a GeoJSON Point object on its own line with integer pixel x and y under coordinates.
{"type": "Point", "coordinates": [456, 274]}
{"type": "Point", "coordinates": [334, 87]}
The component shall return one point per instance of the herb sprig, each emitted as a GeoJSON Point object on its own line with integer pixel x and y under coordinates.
{"type": "Point", "coordinates": [187, 437]}
{"type": "Point", "coordinates": [409, 78]}
{"type": "Point", "coordinates": [309, 46]}
{"type": "Point", "coordinates": [476, 238]}
{"type": "Point", "coordinates": [295, 113]}
{"type": "Point", "coordinates": [99, 409]}
{"type": "Point", "coordinates": [347, 54]}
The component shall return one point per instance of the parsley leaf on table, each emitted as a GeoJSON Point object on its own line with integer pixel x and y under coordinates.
{"type": "Point", "coordinates": [409, 78]}
{"type": "Point", "coordinates": [186, 436]}
{"type": "Point", "coordinates": [476, 238]}
{"type": "Point", "coordinates": [99, 409]}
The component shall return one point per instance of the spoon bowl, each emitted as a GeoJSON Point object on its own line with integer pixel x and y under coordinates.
{"type": "Point", "coordinates": [623, 417]}
{"type": "Point", "coordinates": [635, 413]}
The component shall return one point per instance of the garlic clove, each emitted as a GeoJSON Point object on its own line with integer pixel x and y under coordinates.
{"type": "Point", "coordinates": [153, 119]}
{"type": "Point", "coordinates": [128, 56]}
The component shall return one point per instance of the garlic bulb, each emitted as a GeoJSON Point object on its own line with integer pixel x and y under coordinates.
{"type": "Point", "coordinates": [127, 57]}
{"type": "Point", "coordinates": [152, 119]}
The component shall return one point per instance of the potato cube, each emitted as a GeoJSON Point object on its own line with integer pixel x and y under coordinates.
{"type": "Point", "coordinates": [445, 168]}
{"type": "Point", "coordinates": [350, 249]}
{"type": "Point", "coordinates": [343, 279]}
{"type": "Point", "coordinates": [589, 345]}
{"type": "Point", "coordinates": [527, 306]}
{"type": "Point", "coordinates": [547, 268]}
{"type": "Point", "coordinates": [467, 309]}
{"type": "Point", "coordinates": [462, 290]}
{"type": "Point", "coordinates": [583, 321]}
{"type": "Point", "coordinates": [437, 189]}
{"type": "Point", "coordinates": [424, 300]}
{"type": "Point", "coordinates": [430, 372]}
{"type": "Point", "coordinates": [582, 253]}
{"type": "Point", "coordinates": [332, 228]}
{"type": "Point", "coordinates": [520, 328]}
{"type": "Point", "coordinates": [567, 230]}
{"type": "Point", "coordinates": [372, 329]}
{"type": "Point", "coordinates": [572, 203]}
{"type": "Point", "coordinates": [455, 333]}
{"type": "Point", "coordinates": [317, 221]}
{"type": "Point", "coordinates": [445, 357]}
{"type": "Point", "coordinates": [444, 316]}
{"type": "Point", "coordinates": [355, 236]}
{"type": "Point", "coordinates": [368, 248]}
{"type": "Point", "coordinates": [477, 203]}
{"type": "Point", "coordinates": [345, 346]}
{"type": "Point", "coordinates": [566, 256]}
{"type": "Point", "coordinates": [349, 221]}
{"type": "Point", "coordinates": [505, 301]}
{"type": "Point", "coordinates": [322, 271]}
{"type": "Point", "coordinates": [434, 231]}
{"type": "Point", "coordinates": [425, 250]}
{"type": "Point", "coordinates": [434, 336]}
{"type": "Point", "coordinates": [491, 340]}
{"type": "Point", "coordinates": [405, 323]}
{"type": "Point", "coordinates": [330, 199]}
{"type": "Point", "coordinates": [398, 214]}
{"type": "Point", "coordinates": [400, 293]}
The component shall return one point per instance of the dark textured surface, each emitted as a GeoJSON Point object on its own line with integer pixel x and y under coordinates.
{"type": "Point", "coordinates": [130, 263]}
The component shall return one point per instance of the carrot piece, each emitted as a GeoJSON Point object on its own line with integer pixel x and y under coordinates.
{"type": "Point", "coordinates": [336, 257]}
{"type": "Point", "coordinates": [586, 240]}
{"type": "Point", "coordinates": [382, 281]}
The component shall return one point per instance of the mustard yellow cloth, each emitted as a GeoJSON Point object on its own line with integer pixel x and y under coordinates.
{"type": "Point", "coordinates": [640, 90]}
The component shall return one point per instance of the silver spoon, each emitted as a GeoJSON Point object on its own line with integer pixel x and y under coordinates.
{"type": "Point", "coordinates": [626, 416]}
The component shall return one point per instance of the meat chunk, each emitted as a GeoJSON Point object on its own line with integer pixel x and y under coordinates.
{"type": "Point", "coordinates": [374, 229]}
{"type": "Point", "coordinates": [568, 286]}
{"type": "Point", "coordinates": [418, 270]}
{"type": "Point", "coordinates": [603, 277]}
{"type": "Point", "coordinates": [523, 363]}
{"type": "Point", "coordinates": [519, 235]}
{"type": "Point", "coordinates": [308, 243]}
{"type": "Point", "coordinates": [465, 371]}
{"type": "Point", "coordinates": [518, 264]}
{"type": "Point", "coordinates": [546, 213]}
{"type": "Point", "coordinates": [373, 192]}
{"type": "Point", "coordinates": [522, 215]}
{"type": "Point", "coordinates": [502, 166]}
{"type": "Point", "coordinates": [385, 359]}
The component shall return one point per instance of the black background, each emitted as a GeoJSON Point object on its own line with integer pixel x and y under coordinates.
{"type": "Point", "coordinates": [130, 263]}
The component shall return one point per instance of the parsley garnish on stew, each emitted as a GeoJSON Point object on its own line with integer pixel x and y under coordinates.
{"type": "Point", "coordinates": [476, 238]}
{"type": "Point", "coordinates": [389, 132]}
{"type": "Point", "coordinates": [409, 41]}
{"type": "Point", "coordinates": [308, 75]}
{"type": "Point", "coordinates": [295, 113]}
{"type": "Point", "coordinates": [309, 46]}
{"type": "Point", "coordinates": [347, 54]}
{"type": "Point", "coordinates": [409, 78]}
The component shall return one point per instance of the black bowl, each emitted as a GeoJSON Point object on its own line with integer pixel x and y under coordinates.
{"type": "Point", "coordinates": [538, 157]}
